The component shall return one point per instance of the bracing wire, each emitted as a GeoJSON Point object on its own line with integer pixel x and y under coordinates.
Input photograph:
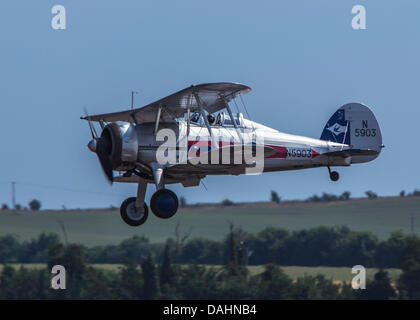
{"type": "Point", "coordinates": [247, 113]}
{"type": "Point", "coordinates": [237, 108]}
{"type": "Point", "coordinates": [202, 183]}
{"type": "Point", "coordinates": [246, 110]}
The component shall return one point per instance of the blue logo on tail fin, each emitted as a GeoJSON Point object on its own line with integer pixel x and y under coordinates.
{"type": "Point", "coordinates": [337, 128]}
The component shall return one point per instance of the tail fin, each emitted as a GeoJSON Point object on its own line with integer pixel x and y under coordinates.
{"type": "Point", "coordinates": [355, 124]}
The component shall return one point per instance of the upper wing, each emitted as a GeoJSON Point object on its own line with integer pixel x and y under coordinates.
{"type": "Point", "coordinates": [213, 96]}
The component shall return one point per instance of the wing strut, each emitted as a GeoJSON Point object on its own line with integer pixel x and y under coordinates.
{"type": "Point", "coordinates": [157, 119]}
{"type": "Point", "coordinates": [206, 121]}
{"type": "Point", "coordinates": [188, 121]}
{"type": "Point", "coordinates": [189, 116]}
{"type": "Point", "coordinates": [233, 120]}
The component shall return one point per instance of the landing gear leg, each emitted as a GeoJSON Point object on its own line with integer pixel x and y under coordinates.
{"type": "Point", "coordinates": [158, 176]}
{"type": "Point", "coordinates": [334, 176]}
{"type": "Point", "coordinates": [164, 203]}
{"type": "Point", "coordinates": [141, 192]}
{"type": "Point", "coordinates": [134, 211]}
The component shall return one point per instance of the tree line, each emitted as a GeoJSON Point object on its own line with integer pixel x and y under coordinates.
{"type": "Point", "coordinates": [149, 279]}
{"type": "Point", "coordinates": [320, 246]}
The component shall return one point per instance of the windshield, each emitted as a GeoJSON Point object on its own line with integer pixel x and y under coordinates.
{"type": "Point", "coordinates": [223, 119]}
{"type": "Point", "coordinates": [195, 118]}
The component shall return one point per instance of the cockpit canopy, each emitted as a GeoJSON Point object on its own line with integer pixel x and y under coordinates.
{"type": "Point", "coordinates": [222, 119]}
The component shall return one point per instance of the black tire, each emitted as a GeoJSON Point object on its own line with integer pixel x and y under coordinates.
{"type": "Point", "coordinates": [129, 216]}
{"type": "Point", "coordinates": [334, 176]}
{"type": "Point", "coordinates": [162, 210]}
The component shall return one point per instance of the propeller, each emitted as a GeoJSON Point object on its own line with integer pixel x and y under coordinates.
{"type": "Point", "coordinates": [102, 146]}
{"type": "Point", "coordinates": [103, 151]}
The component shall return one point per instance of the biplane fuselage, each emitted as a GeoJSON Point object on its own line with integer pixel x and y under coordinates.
{"type": "Point", "coordinates": [290, 152]}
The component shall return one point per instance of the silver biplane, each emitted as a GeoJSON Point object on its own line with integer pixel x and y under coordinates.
{"type": "Point", "coordinates": [204, 127]}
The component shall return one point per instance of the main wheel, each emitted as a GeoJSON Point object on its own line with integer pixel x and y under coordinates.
{"type": "Point", "coordinates": [334, 176]}
{"type": "Point", "coordinates": [164, 203]}
{"type": "Point", "coordinates": [132, 215]}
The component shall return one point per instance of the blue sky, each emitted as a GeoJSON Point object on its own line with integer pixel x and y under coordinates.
{"type": "Point", "coordinates": [301, 58]}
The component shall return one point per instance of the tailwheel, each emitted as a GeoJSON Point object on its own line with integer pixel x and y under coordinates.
{"type": "Point", "coordinates": [164, 203]}
{"type": "Point", "coordinates": [334, 176]}
{"type": "Point", "coordinates": [132, 215]}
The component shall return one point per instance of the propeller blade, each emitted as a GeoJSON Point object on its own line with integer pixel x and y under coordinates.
{"type": "Point", "coordinates": [91, 126]}
{"type": "Point", "coordinates": [103, 150]}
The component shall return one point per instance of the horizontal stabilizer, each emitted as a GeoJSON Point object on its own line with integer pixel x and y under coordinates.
{"type": "Point", "coordinates": [351, 152]}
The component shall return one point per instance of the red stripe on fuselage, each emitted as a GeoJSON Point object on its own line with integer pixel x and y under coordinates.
{"type": "Point", "coordinates": [208, 143]}
{"type": "Point", "coordinates": [281, 152]}
{"type": "Point", "coordinates": [315, 154]}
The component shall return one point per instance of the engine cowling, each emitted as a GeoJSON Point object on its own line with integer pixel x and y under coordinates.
{"type": "Point", "coordinates": [111, 138]}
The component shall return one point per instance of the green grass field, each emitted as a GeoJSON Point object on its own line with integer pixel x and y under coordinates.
{"type": "Point", "coordinates": [98, 227]}
{"type": "Point", "coordinates": [294, 272]}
